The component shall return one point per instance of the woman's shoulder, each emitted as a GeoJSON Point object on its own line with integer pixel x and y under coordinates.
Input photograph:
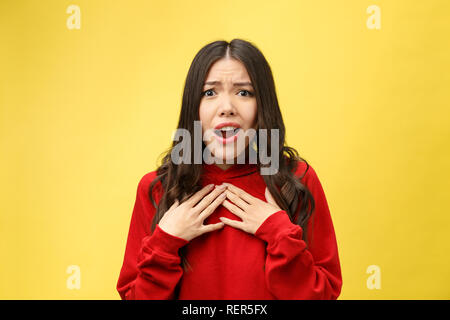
{"type": "Point", "coordinates": [305, 172]}
{"type": "Point", "coordinates": [148, 177]}
{"type": "Point", "coordinates": [146, 180]}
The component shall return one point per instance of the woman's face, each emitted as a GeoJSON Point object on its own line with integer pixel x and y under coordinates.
{"type": "Point", "coordinates": [228, 99]}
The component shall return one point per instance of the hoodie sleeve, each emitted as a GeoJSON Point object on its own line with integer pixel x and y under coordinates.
{"type": "Point", "coordinates": [293, 271]}
{"type": "Point", "coordinates": [151, 267]}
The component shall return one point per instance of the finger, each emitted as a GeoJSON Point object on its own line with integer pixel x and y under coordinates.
{"type": "Point", "coordinates": [234, 209]}
{"type": "Point", "coordinates": [206, 201]}
{"type": "Point", "coordinates": [236, 200]}
{"type": "Point", "coordinates": [212, 207]}
{"type": "Point", "coordinates": [211, 227]}
{"type": "Point", "coordinates": [269, 197]}
{"type": "Point", "coordinates": [175, 204]}
{"type": "Point", "coordinates": [199, 195]}
{"type": "Point", "coordinates": [233, 223]}
{"type": "Point", "coordinates": [241, 193]}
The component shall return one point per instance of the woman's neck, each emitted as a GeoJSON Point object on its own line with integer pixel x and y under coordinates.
{"type": "Point", "coordinates": [224, 166]}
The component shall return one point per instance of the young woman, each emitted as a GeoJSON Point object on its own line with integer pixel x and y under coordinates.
{"type": "Point", "coordinates": [225, 230]}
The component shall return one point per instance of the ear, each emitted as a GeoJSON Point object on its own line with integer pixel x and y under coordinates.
{"type": "Point", "coordinates": [269, 197]}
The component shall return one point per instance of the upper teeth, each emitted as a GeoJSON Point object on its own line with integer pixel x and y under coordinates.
{"type": "Point", "coordinates": [227, 128]}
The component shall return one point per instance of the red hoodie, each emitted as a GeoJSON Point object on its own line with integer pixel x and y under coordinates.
{"type": "Point", "coordinates": [231, 264]}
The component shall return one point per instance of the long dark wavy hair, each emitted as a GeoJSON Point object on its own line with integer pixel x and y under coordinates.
{"type": "Point", "coordinates": [180, 181]}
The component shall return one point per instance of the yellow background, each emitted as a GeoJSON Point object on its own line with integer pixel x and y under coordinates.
{"type": "Point", "coordinates": [84, 114]}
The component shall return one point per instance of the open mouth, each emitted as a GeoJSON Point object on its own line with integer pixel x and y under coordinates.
{"type": "Point", "coordinates": [226, 132]}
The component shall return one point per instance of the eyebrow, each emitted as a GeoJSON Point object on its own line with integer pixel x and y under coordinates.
{"type": "Point", "coordinates": [236, 84]}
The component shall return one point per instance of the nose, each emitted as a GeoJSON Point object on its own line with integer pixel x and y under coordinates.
{"type": "Point", "coordinates": [227, 108]}
{"type": "Point", "coordinates": [227, 112]}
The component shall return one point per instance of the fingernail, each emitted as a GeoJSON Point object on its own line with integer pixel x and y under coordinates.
{"type": "Point", "coordinates": [221, 187]}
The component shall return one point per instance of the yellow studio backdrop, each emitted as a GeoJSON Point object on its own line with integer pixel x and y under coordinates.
{"type": "Point", "coordinates": [90, 94]}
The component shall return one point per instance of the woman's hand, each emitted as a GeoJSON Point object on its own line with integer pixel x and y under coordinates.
{"type": "Point", "coordinates": [251, 210]}
{"type": "Point", "coordinates": [186, 220]}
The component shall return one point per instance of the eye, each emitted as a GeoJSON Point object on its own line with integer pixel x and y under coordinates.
{"type": "Point", "coordinates": [204, 93]}
{"type": "Point", "coordinates": [249, 94]}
